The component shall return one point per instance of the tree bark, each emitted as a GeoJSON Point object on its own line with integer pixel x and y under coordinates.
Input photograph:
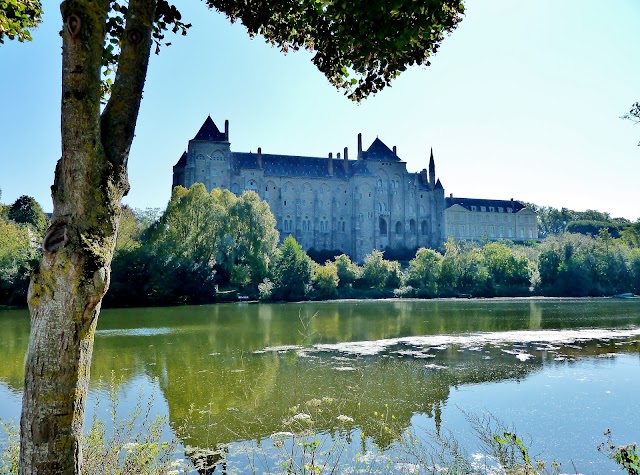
{"type": "Point", "coordinates": [90, 181]}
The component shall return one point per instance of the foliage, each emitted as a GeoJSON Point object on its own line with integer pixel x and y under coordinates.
{"type": "Point", "coordinates": [631, 235]}
{"type": "Point", "coordinates": [18, 255]}
{"type": "Point", "coordinates": [265, 289]}
{"type": "Point", "coordinates": [577, 265]}
{"type": "Point", "coordinates": [129, 445]}
{"type": "Point", "coordinates": [18, 18]}
{"type": "Point", "coordinates": [348, 271]}
{"type": "Point", "coordinates": [26, 210]}
{"type": "Point", "coordinates": [291, 272]}
{"type": "Point", "coordinates": [402, 253]}
{"type": "Point", "coordinates": [380, 273]}
{"type": "Point", "coordinates": [634, 268]}
{"type": "Point", "coordinates": [463, 270]}
{"type": "Point", "coordinates": [504, 267]}
{"type": "Point", "coordinates": [321, 255]}
{"type": "Point", "coordinates": [359, 48]}
{"type": "Point", "coordinates": [325, 281]}
{"type": "Point", "coordinates": [129, 230]}
{"type": "Point", "coordinates": [593, 227]}
{"type": "Point", "coordinates": [424, 272]}
{"type": "Point", "coordinates": [627, 456]}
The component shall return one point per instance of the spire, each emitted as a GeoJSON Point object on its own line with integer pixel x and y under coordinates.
{"type": "Point", "coordinates": [432, 170]}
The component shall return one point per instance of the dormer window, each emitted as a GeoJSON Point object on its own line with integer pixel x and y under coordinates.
{"type": "Point", "coordinates": [473, 208]}
{"type": "Point", "coordinates": [491, 209]}
{"type": "Point", "coordinates": [483, 209]}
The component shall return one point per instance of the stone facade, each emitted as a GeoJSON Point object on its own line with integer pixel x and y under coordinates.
{"type": "Point", "coordinates": [474, 219]}
{"type": "Point", "coordinates": [355, 206]}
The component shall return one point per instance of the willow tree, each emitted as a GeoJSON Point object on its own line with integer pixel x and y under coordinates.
{"type": "Point", "coordinates": [360, 46]}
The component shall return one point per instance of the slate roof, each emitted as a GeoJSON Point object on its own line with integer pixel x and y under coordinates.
{"type": "Point", "coordinates": [210, 132]}
{"type": "Point", "coordinates": [379, 151]}
{"type": "Point", "coordinates": [291, 165]}
{"type": "Point", "coordinates": [467, 203]}
{"type": "Point", "coordinates": [182, 161]}
{"type": "Point", "coordinates": [439, 185]}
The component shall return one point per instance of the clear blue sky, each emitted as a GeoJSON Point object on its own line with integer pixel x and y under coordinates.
{"type": "Point", "coordinates": [522, 101]}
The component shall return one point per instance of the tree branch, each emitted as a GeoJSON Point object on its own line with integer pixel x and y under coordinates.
{"type": "Point", "coordinates": [121, 113]}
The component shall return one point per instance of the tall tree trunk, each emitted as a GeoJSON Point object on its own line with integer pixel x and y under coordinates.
{"type": "Point", "coordinates": [90, 181]}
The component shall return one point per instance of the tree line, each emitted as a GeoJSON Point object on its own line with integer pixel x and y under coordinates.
{"type": "Point", "coordinates": [213, 246]}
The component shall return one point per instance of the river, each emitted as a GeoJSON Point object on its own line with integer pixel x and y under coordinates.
{"type": "Point", "coordinates": [560, 371]}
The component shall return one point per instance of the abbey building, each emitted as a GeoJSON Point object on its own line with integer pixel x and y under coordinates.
{"type": "Point", "coordinates": [355, 206]}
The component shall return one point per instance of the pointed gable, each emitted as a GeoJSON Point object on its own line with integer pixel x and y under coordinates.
{"type": "Point", "coordinates": [439, 185]}
{"type": "Point", "coordinates": [209, 132]}
{"type": "Point", "coordinates": [379, 151]}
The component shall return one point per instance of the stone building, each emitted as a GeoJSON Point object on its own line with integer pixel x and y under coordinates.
{"type": "Point", "coordinates": [355, 206]}
{"type": "Point", "coordinates": [476, 219]}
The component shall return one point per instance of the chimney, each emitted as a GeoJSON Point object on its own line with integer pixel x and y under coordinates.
{"type": "Point", "coordinates": [450, 195]}
{"type": "Point", "coordinates": [260, 157]}
{"type": "Point", "coordinates": [226, 130]}
{"type": "Point", "coordinates": [338, 155]}
{"type": "Point", "coordinates": [359, 145]}
{"type": "Point", "coordinates": [330, 164]}
{"type": "Point", "coordinates": [330, 155]}
{"type": "Point", "coordinates": [395, 151]}
{"type": "Point", "coordinates": [423, 176]}
{"type": "Point", "coordinates": [345, 162]}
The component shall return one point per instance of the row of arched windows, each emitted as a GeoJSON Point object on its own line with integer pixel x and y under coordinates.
{"type": "Point", "coordinates": [382, 225]}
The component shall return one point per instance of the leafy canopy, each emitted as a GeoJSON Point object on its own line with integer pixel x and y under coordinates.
{"type": "Point", "coordinates": [359, 46]}
{"type": "Point", "coordinates": [18, 17]}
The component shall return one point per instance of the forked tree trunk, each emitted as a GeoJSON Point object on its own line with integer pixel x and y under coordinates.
{"type": "Point", "coordinates": [90, 181]}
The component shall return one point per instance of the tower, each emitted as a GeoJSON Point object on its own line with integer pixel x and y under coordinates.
{"type": "Point", "coordinates": [208, 158]}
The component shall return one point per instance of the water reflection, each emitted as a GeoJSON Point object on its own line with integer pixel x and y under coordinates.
{"type": "Point", "coordinates": [213, 358]}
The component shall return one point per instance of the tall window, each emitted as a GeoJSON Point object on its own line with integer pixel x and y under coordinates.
{"type": "Point", "coordinates": [383, 227]}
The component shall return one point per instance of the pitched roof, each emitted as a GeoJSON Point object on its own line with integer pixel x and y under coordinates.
{"type": "Point", "coordinates": [439, 184]}
{"type": "Point", "coordinates": [379, 151]}
{"type": "Point", "coordinates": [182, 161]}
{"type": "Point", "coordinates": [467, 203]}
{"type": "Point", "coordinates": [290, 165]}
{"type": "Point", "coordinates": [210, 132]}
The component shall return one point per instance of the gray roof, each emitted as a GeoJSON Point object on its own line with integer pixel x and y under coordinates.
{"type": "Point", "coordinates": [182, 161]}
{"type": "Point", "coordinates": [467, 203]}
{"type": "Point", "coordinates": [379, 151]}
{"type": "Point", "coordinates": [210, 132]}
{"type": "Point", "coordinates": [291, 165]}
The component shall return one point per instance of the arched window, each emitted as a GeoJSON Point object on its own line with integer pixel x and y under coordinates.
{"type": "Point", "coordinates": [383, 227]}
{"type": "Point", "coordinates": [343, 226]}
{"type": "Point", "coordinates": [252, 185]}
{"type": "Point", "coordinates": [423, 228]}
{"type": "Point", "coordinates": [234, 188]}
{"type": "Point", "coordinates": [398, 227]}
{"type": "Point", "coordinates": [412, 226]}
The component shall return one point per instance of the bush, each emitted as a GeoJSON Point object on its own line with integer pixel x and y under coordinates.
{"type": "Point", "coordinates": [325, 281]}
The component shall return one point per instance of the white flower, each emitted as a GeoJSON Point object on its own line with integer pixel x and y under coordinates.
{"type": "Point", "coordinates": [343, 418]}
